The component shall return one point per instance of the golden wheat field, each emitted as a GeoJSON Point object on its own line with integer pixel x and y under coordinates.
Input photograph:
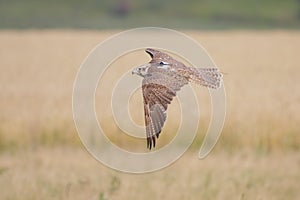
{"type": "Point", "coordinates": [256, 157]}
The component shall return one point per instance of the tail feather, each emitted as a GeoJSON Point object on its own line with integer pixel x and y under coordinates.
{"type": "Point", "coordinates": [208, 77]}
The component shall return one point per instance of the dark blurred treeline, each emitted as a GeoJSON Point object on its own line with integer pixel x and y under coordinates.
{"type": "Point", "coordinates": [115, 14]}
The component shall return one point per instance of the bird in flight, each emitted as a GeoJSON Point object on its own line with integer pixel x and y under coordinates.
{"type": "Point", "coordinates": [163, 76]}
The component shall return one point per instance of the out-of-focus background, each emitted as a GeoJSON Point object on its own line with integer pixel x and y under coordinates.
{"type": "Point", "coordinates": [120, 14]}
{"type": "Point", "coordinates": [256, 43]}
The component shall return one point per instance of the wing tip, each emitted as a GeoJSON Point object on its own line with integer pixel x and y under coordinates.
{"type": "Point", "coordinates": [150, 52]}
{"type": "Point", "coordinates": [151, 142]}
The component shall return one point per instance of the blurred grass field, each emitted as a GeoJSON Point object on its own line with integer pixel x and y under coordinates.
{"type": "Point", "coordinates": [257, 156]}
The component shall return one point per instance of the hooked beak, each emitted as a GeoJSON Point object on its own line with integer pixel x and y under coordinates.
{"type": "Point", "coordinates": [135, 71]}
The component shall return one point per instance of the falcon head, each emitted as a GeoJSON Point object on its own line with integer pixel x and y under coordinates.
{"type": "Point", "coordinates": [159, 60]}
{"type": "Point", "coordinates": [141, 70]}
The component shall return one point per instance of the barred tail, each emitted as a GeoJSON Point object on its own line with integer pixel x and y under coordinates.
{"type": "Point", "coordinates": [208, 77]}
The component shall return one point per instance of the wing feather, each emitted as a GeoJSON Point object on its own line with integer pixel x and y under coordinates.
{"type": "Point", "coordinates": [158, 91]}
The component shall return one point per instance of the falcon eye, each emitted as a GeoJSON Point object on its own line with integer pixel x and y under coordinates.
{"type": "Point", "coordinates": [163, 63]}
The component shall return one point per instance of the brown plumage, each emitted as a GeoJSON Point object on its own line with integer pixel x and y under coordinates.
{"type": "Point", "coordinates": [163, 77]}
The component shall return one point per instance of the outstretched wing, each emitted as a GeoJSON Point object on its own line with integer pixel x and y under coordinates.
{"type": "Point", "coordinates": [208, 77]}
{"type": "Point", "coordinates": [158, 91]}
